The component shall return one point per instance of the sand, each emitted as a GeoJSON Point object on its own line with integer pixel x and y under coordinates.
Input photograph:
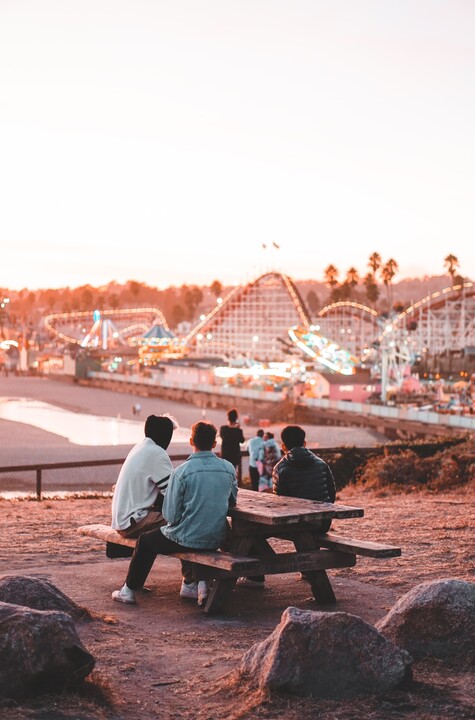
{"type": "Point", "coordinates": [165, 658]}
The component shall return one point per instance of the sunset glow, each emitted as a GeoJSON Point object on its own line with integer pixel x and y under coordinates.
{"type": "Point", "coordinates": [170, 142]}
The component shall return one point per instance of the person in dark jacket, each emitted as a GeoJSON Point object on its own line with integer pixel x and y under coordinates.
{"type": "Point", "coordinates": [302, 474]}
{"type": "Point", "coordinates": [231, 439]}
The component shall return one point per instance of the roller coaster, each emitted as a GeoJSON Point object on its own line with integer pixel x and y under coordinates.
{"type": "Point", "coordinates": [267, 319]}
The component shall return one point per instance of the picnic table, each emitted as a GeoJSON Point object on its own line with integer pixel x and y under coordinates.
{"type": "Point", "coordinates": [255, 519]}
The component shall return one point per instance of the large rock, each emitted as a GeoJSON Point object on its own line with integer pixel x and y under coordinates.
{"type": "Point", "coordinates": [40, 651]}
{"type": "Point", "coordinates": [39, 594]}
{"type": "Point", "coordinates": [435, 618]}
{"type": "Point", "coordinates": [328, 655]}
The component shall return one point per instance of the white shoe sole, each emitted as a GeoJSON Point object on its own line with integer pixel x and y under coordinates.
{"type": "Point", "coordinates": [119, 598]}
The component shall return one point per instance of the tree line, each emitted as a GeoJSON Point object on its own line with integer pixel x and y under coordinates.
{"type": "Point", "coordinates": [186, 302]}
{"type": "Point", "coordinates": [368, 288]}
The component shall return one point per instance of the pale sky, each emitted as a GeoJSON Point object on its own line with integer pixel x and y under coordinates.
{"type": "Point", "coordinates": [166, 140]}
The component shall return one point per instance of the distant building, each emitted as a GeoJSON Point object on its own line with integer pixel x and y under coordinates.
{"type": "Point", "coordinates": [354, 388]}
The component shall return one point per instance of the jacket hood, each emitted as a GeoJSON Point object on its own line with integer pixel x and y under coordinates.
{"type": "Point", "coordinates": [300, 457]}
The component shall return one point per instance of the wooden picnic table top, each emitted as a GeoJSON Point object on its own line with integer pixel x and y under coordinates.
{"type": "Point", "coordinates": [269, 509]}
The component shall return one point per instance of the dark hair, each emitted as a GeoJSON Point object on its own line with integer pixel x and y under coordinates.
{"type": "Point", "coordinates": [159, 429]}
{"type": "Point", "coordinates": [203, 435]}
{"type": "Point", "coordinates": [270, 435]}
{"type": "Point", "coordinates": [260, 433]}
{"type": "Point", "coordinates": [232, 415]}
{"type": "Point", "coordinates": [292, 436]}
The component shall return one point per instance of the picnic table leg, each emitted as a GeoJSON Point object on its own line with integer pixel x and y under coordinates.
{"type": "Point", "coordinates": [220, 593]}
{"type": "Point", "coordinates": [318, 579]}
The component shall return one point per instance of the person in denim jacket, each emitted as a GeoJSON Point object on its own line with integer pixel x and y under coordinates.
{"type": "Point", "coordinates": [195, 507]}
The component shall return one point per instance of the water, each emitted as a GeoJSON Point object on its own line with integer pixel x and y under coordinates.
{"type": "Point", "coordinates": [78, 428]}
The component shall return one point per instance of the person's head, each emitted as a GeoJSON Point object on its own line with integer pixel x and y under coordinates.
{"type": "Point", "coordinates": [260, 433]}
{"type": "Point", "coordinates": [269, 435]}
{"type": "Point", "coordinates": [292, 436]}
{"type": "Point", "coordinates": [232, 415]}
{"type": "Point", "coordinates": [203, 436]}
{"type": "Point", "coordinates": [159, 428]}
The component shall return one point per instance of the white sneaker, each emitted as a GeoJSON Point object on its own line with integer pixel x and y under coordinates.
{"type": "Point", "coordinates": [203, 592]}
{"type": "Point", "coordinates": [247, 582]}
{"type": "Point", "coordinates": [189, 590]}
{"type": "Point", "coordinates": [124, 595]}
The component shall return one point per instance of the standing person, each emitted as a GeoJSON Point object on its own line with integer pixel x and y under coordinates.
{"type": "Point", "coordinates": [143, 480]}
{"type": "Point", "coordinates": [254, 447]}
{"type": "Point", "coordinates": [302, 474]}
{"type": "Point", "coordinates": [195, 507]}
{"type": "Point", "coordinates": [269, 456]}
{"type": "Point", "coordinates": [231, 438]}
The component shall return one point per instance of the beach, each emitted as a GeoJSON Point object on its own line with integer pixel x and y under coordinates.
{"type": "Point", "coordinates": [164, 658]}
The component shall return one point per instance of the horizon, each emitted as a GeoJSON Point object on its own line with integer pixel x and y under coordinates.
{"type": "Point", "coordinates": [165, 141]}
{"type": "Point", "coordinates": [396, 281]}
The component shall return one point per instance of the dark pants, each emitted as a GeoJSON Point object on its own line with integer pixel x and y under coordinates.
{"type": "Point", "coordinates": [149, 545]}
{"type": "Point", "coordinates": [254, 475]}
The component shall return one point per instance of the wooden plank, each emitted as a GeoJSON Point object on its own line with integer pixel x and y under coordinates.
{"type": "Point", "coordinates": [268, 509]}
{"type": "Point", "coordinates": [280, 563]}
{"type": "Point", "coordinates": [357, 547]}
{"type": "Point", "coordinates": [211, 558]}
{"type": "Point", "coordinates": [221, 560]}
{"type": "Point", "coordinates": [106, 533]}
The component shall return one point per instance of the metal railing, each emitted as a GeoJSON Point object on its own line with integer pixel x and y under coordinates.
{"type": "Point", "coordinates": [79, 482]}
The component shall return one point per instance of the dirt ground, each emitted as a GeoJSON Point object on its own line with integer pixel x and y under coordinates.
{"type": "Point", "coordinates": [164, 658]}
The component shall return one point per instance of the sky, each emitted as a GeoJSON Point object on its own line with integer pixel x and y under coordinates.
{"type": "Point", "coordinates": [168, 141]}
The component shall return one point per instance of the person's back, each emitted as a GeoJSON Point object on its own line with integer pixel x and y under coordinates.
{"type": "Point", "coordinates": [255, 446]}
{"type": "Point", "coordinates": [270, 454]}
{"type": "Point", "coordinates": [231, 438]}
{"type": "Point", "coordinates": [143, 478]}
{"type": "Point", "coordinates": [197, 500]}
{"type": "Point", "coordinates": [302, 474]}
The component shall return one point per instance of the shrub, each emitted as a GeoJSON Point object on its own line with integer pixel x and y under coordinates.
{"type": "Point", "coordinates": [407, 471]}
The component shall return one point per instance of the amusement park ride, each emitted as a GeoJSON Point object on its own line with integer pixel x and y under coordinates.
{"type": "Point", "coordinates": [267, 320]}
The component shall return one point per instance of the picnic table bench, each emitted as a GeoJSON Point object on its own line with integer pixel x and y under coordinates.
{"type": "Point", "coordinates": [258, 517]}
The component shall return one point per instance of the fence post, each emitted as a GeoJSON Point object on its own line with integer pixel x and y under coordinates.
{"type": "Point", "coordinates": [38, 483]}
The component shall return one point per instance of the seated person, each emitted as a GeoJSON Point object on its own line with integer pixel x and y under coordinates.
{"type": "Point", "coordinates": [143, 480]}
{"type": "Point", "coordinates": [302, 474]}
{"type": "Point", "coordinates": [195, 506]}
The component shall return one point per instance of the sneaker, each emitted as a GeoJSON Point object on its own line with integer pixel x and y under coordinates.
{"type": "Point", "coordinates": [247, 582]}
{"type": "Point", "coordinates": [203, 592]}
{"type": "Point", "coordinates": [124, 595]}
{"type": "Point", "coordinates": [189, 590]}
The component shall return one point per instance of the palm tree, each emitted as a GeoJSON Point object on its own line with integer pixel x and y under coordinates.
{"type": "Point", "coordinates": [331, 276]}
{"type": "Point", "coordinates": [451, 263]}
{"type": "Point", "coordinates": [374, 263]}
{"type": "Point", "coordinates": [352, 277]}
{"type": "Point", "coordinates": [372, 290]}
{"type": "Point", "coordinates": [388, 271]}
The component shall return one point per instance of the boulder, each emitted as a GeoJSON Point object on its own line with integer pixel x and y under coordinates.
{"type": "Point", "coordinates": [38, 594]}
{"type": "Point", "coordinates": [40, 651]}
{"type": "Point", "coordinates": [435, 618]}
{"type": "Point", "coordinates": [327, 655]}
